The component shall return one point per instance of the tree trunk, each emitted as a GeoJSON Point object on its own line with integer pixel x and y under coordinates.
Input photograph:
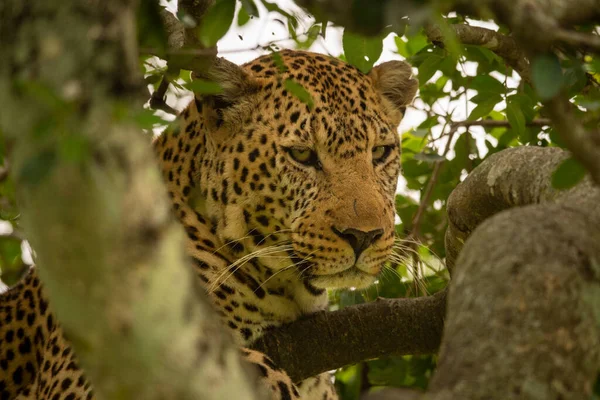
{"type": "Point", "coordinates": [95, 210]}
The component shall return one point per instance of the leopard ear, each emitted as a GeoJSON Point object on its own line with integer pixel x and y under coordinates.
{"type": "Point", "coordinates": [397, 86]}
{"type": "Point", "coordinates": [236, 87]}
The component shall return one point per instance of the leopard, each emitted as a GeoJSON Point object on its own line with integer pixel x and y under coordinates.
{"type": "Point", "coordinates": [284, 180]}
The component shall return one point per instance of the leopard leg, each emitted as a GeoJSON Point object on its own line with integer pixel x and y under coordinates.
{"type": "Point", "coordinates": [272, 377]}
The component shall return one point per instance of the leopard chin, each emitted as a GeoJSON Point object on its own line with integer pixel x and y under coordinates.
{"type": "Point", "coordinates": [352, 277]}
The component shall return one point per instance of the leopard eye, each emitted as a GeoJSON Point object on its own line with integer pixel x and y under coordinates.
{"type": "Point", "coordinates": [380, 153]}
{"type": "Point", "coordinates": [304, 156]}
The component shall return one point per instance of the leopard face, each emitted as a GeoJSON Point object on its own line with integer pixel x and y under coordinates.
{"type": "Point", "coordinates": [304, 185]}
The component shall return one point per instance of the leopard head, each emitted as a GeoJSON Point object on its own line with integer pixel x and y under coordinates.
{"type": "Point", "coordinates": [300, 163]}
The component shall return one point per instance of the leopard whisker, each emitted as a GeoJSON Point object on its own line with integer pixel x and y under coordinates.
{"type": "Point", "coordinates": [278, 272]}
{"type": "Point", "coordinates": [270, 250]}
{"type": "Point", "coordinates": [249, 235]}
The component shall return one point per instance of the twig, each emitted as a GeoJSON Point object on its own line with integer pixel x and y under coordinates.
{"type": "Point", "coordinates": [416, 222]}
{"type": "Point", "coordinates": [578, 39]}
{"type": "Point", "coordinates": [157, 100]}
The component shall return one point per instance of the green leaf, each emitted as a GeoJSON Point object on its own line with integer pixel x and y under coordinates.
{"type": "Point", "coordinates": [412, 143]}
{"type": "Point", "coordinates": [568, 174]}
{"type": "Point", "coordinates": [146, 119]}
{"type": "Point", "coordinates": [416, 43]}
{"type": "Point", "coordinates": [299, 91]}
{"type": "Point", "coordinates": [401, 46]}
{"type": "Point", "coordinates": [243, 17]}
{"type": "Point", "coordinates": [216, 23]}
{"type": "Point", "coordinates": [575, 79]}
{"type": "Point", "coordinates": [278, 60]}
{"type": "Point", "coordinates": [429, 66]}
{"type": "Point", "coordinates": [547, 76]}
{"type": "Point", "coordinates": [485, 106]}
{"type": "Point", "coordinates": [487, 84]}
{"type": "Point", "coordinates": [515, 118]}
{"type": "Point", "coordinates": [273, 7]}
{"type": "Point", "coordinates": [250, 7]}
{"type": "Point", "coordinates": [525, 103]}
{"type": "Point", "coordinates": [202, 86]}
{"type": "Point", "coordinates": [361, 51]}
{"type": "Point", "coordinates": [312, 35]}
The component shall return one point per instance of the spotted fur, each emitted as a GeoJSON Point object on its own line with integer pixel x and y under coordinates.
{"type": "Point", "coordinates": [268, 231]}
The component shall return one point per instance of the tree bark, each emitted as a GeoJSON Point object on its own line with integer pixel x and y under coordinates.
{"type": "Point", "coordinates": [524, 305]}
{"type": "Point", "coordinates": [372, 17]}
{"type": "Point", "coordinates": [328, 340]}
{"type": "Point", "coordinates": [94, 207]}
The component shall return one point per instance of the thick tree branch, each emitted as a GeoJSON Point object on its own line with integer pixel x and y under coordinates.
{"type": "Point", "coordinates": [504, 46]}
{"type": "Point", "coordinates": [383, 13]}
{"type": "Point", "coordinates": [512, 178]}
{"type": "Point", "coordinates": [110, 251]}
{"type": "Point", "coordinates": [523, 313]}
{"type": "Point", "coordinates": [328, 340]}
{"type": "Point", "coordinates": [174, 29]}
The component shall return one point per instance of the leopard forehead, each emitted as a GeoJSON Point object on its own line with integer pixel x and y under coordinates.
{"type": "Point", "coordinates": [306, 91]}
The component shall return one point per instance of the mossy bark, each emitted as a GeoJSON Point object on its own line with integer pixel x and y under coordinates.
{"type": "Point", "coordinates": [95, 210]}
{"type": "Point", "coordinates": [523, 316]}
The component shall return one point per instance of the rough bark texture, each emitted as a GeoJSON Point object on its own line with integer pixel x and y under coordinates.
{"type": "Point", "coordinates": [329, 340]}
{"type": "Point", "coordinates": [524, 306]}
{"type": "Point", "coordinates": [371, 17]}
{"type": "Point", "coordinates": [110, 253]}
{"type": "Point", "coordinates": [502, 45]}
{"type": "Point", "coordinates": [508, 179]}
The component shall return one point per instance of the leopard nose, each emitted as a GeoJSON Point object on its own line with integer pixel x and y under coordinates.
{"type": "Point", "coordinates": [359, 240]}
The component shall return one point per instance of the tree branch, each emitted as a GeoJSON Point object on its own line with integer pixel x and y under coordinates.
{"type": "Point", "coordinates": [157, 100]}
{"type": "Point", "coordinates": [578, 40]}
{"type": "Point", "coordinates": [512, 178]}
{"type": "Point", "coordinates": [112, 253]}
{"type": "Point", "coordinates": [504, 46]}
{"type": "Point", "coordinates": [328, 340]}
{"type": "Point", "coordinates": [184, 50]}
{"type": "Point", "coordinates": [525, 296]}
{"type": "Point", "coordinates": [492, 123]}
